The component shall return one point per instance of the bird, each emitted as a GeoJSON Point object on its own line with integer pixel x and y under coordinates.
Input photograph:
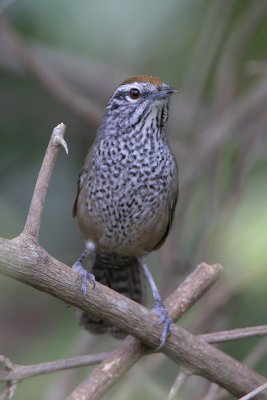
{"type": "Point", "coordinates": [126, 197]}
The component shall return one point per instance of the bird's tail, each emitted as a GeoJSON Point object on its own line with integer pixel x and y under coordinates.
{"type": "Point", "coordinates": [120, 273]}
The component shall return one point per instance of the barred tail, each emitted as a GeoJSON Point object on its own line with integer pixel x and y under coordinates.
{"type": "Point", "coordinates": [120, 273]}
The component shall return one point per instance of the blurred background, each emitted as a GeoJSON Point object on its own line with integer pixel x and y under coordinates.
{"type": "Point", "coordinates": [60, 62]}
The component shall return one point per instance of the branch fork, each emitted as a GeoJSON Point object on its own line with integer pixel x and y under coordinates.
{"type": "Point", "coordinates": [25, 260]}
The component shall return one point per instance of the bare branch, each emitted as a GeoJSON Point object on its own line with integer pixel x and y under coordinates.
{"type": "Point", "coordinates": [25, 260]}
{"type": "Point", "coordinates": [11, 385]}
{"type": "Point", "coordinates": [212, 392]}
{"type": "Point", "coordinates": [33, 222]}
{"type": "Point", "coordinates": [8, 391]}
{"type": "Point", "coordinates": [31, 264]}
{"type": "Point", "coordinates": [235, 334]}
{"type": "Point", "coordinates": [131, 350]}
{"type": "Point", "coordinates": [178, 383]}
{"type": "Point", "coordinates": [257, 353]}
{"type": "Point", "coordinates": [254, 393]}
{"type": "Point", "coordinates": [18, 372]}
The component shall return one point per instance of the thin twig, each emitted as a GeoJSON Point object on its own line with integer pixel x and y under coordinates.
{"type": "Point", "coordinates": [252, 394]}
{"type": "Point", "coordinates": [33, 221]}
{"type": "Point", "coordinates": [61, 384]}
{"type": "Point", "coordinates": [178, 383]}
{"type": "Point", "coordinates": [20, 372]}
{"type": "Point", "coordinates": [10, 387]}
{"type": "Point", "coordinates": [234, 334]}
{"type": "Point", "coordinates": [257, 353]}
{"type": "Point", "coordinates": [212, 392]}
{"type": "Point", "coordinates": [8, 391]}
{"type": "Point", "coordinates": [16, 372]}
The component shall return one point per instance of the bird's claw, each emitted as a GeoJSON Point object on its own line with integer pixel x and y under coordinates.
{"type": "Point", "coordinates": [161, 310]}
{"type": "Point", "coordinates": [85, 276]}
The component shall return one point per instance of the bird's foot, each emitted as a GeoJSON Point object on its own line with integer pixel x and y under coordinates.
{"type": "Point", "coordinates": [84, 275]}
{"type": "Point", "coordinates": [165, 320]}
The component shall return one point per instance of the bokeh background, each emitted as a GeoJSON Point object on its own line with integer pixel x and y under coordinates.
{"type": "Point", "coordinates": [60, 61]}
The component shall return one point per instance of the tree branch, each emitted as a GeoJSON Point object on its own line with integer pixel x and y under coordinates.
{"type": "Point", "coordinates": [17, 372]}
{"type": "Point", "coordinates": [131, 350]}
{"type": "Point", "coordinates": [33, 221]}
{"type": "Point", "coordinates": [31, 264]}
{"type": "Point", "coordinates": [178, 383]}
{"type": "Point", "coordinates": [25, 260]}
{"type": "Point", "coordinates": [254, 393]}
{"type": "Point", "coordinates": [234, 334]}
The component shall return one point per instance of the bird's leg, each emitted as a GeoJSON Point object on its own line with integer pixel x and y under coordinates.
{"type": "Point", "coordinates": [83, 273]}
{"type": "Point", "coordinates": [159, 306]}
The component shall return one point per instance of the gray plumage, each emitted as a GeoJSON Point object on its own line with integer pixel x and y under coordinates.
{"type": "Point", "coordinates": [120, 273]}
{"type": "Point", "coordinates": [128, 187]}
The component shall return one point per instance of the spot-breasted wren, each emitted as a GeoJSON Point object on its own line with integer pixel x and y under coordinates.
{"type": "Point", "coordinates": [127, 193]}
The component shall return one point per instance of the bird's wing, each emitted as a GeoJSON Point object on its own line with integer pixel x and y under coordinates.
{"type": "Point", "coordinates": [171, 212]}
{"type": "Point", "coordinates": [81, 179]}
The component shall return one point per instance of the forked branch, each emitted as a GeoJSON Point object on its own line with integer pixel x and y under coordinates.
{"type": "Point", "coordinates": [25, 260]}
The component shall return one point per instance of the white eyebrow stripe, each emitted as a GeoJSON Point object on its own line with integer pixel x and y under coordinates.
{"type": "Point", "coordinates": [129, 86]}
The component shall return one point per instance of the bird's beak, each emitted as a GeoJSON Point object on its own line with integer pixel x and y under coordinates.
{"type": "Point", "coordinates": [163, 94]}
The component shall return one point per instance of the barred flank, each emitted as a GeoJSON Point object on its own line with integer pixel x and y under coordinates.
{"type": "Point", "coordinates": [120, 273]}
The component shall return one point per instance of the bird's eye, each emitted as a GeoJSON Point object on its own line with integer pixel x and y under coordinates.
{"type": "Point", "coordinates": [134, 93]}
